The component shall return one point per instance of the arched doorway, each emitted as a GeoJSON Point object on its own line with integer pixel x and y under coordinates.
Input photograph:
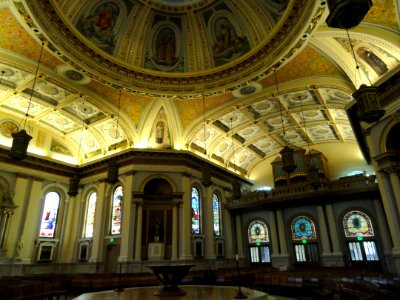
{"type": "Point", "coordinates": [157, 217]}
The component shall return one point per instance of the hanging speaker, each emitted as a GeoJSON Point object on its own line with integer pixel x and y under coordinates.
{"type": "Point", "coordinates": [369, 109]}
{"type": "Point", "coordinates": [206, 176]}
{"type": "Point", "coordinates": [74, 186]}
{"type": "Point", "coordinates": [19, 145]}
{"type": "Point", "coordinates": [346, 14]}
{"type": "Point", "coordinates": [113, 169]}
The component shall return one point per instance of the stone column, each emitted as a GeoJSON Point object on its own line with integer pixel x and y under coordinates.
{"type": "Point", "coordinates": [281, 230]}
{"type": "Point", "coordinates": [333, 230]}
{"type": "Point", "coordinates": [208, 222]}
{"type": "Point", "coordinates": [227, 231]}
{"type": "Point", "coordinates": [337, 258]}
{"type": "Point", "coordinates": [186, 217]}
{"type": "Point", "coordinates": [175, 205]}
{"type": "Point", "coordinates": [274, 234]}
{"type": "Point", "coordinates": [100, 219]}
{"type": "Point", "coordinates": [139, 225]}
{"type": "Point", "coordinates": [390, 208]}
{"type": "Point", "coordinates": [126, 249]}
{"type": "Point", "coordinates": [382, 227]}
{"type": "Point", "coordinates": [32, 220]}
{"type": "Point", "coordinates": [324, 236]}
{"type": "Point", "coordinates": [13, 243]}
{"type": "Point", "coordinates": [283, 260]}
{"type": "Point", "coordinates": [394, 180]}
{"type": "Point", "coordinates": [239, 235]}
{"type": "Point", "coordinates": [70, 230]}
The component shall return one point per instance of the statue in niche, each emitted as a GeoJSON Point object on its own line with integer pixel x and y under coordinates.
{"type": "Point", "coordinates": [372, 60]}
{"type": "Point", "coordinates": [160, 132]}
{"type": "Point", "coordinates": [157, 230]}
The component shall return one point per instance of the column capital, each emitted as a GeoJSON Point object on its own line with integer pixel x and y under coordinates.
{"type": "Point", "coordinates": [132, 172]}
{"type": "Point", "coordinates": [177, 202]}
{"type": "Point", "coordinates": [138, 202]}
{"type": "Point", "coordinates": [392, 169]}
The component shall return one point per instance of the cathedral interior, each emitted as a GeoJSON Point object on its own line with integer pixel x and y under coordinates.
{"type": "Point", "coordinates": [260, 136]}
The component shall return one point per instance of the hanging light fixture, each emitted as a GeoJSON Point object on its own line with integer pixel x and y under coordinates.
{"type": "Point", "coordinates": [113, 167]}
{"type": "Point", "coordinates": [346, 14]}
{"type": "Point", "coordinates": [287, 154]}
{"type": "Point", "coordinates": [74, 181]}
{"type": "Point", "coordinates": [21, 139]}
{"type": "Point", "coordinates": [312, 169]}
{"type": "Point", "coordinates": [206, 171]}
{"type": "Point", "coordinates": [369, 109]}
{"type": "Point", "coordinates": [236, 187]}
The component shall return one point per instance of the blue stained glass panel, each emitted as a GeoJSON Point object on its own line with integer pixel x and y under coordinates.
{"type": "Point", "coordinates": [217, 215]}
{"type": "Point", "coordinates": [116, 217]}
{"type": "Point", "coordinates": [195, 211]}
{"type": "Point", "coordinates": [49, 216]}
{"type": "Point", "coordinates": [303, 228]}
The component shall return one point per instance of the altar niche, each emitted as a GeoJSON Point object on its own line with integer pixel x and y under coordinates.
{"type": "Point", "coordinates": [157, 220]}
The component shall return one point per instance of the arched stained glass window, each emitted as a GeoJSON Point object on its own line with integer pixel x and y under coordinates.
{"type": "Point", "coordinates": [357, 223]}
{"type": "Point", "coordinates": [49, 215]}
{"type": "Point", "coordinates": [258, 242]}
{"type": "Point", "coordinates": [357, 227]}
{"type": "Point", "coordinates": [303, 228]}
{"type": "Point", "coordinates": [195, 211]}
{"type": "Point", "coordinates": [217, 215]}
{"type": "Point", "coordinates": [116, 217]}
{"type": "Point", "coordinates": [258, 232]}
{"type": "Point", "coordinates": [90, 211]}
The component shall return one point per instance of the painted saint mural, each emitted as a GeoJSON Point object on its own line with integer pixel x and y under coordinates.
{"type": "Point", "coordinates": [228, 45]}
{"type": "Point", "coordinates": [165, 47]}
{"type": "Point", "coordinates": [99, 25]}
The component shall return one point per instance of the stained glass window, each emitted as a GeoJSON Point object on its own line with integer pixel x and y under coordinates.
{"type": "Point", "coordinates": [357, 223]}
{"type": "Point", "coordinates": [195, 211]}
{"type": "Point", "coordinates": [49, 215]}
{"type": "Point", "coordinates": [216, 215]}
{"type": "Point", "coordinates": [91, 208]}
{"type": "Point", "coordinates": [116, 217]}
{"type": "Point", "coordinates": [258, 232]}
{"type": "Point", "coordinates": [303, 228]}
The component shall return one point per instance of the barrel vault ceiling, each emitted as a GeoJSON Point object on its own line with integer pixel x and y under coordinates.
{"type": "Point", "coordinates": [223, 79]}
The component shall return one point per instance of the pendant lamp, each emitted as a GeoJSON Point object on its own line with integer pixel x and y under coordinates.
{"type": "Point", "coordinates": [21, 138]}
{"type": "Point", "coordinates": [346, 14]}
{"type": "Point", "coordinates": [74, 181]}
{"type": "Point", "coordinates": [287, 153]}
{"type": "Point", "coordinates": [236, 186]}
{"type": "Point", "coordinates": [369, 109]}
{"type": "Point", "coordinates": [206, 170]}
{"type": "Point", "coordinates": [113, 167]}
{"type": "Point", "coordinates": [74, 185]}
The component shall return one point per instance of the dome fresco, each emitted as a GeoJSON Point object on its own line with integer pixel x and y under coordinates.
{"type": "Point", "coordinates": [206, 76]}
{"type": "Point", "coordinates": [217, 44]}
{"type": "Point", "coordinates": [224, 30]}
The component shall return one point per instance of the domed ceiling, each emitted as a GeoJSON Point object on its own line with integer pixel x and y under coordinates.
{"type": "Point", "coordinates": [175, 48]}
{"type": "Point", "coordinates": [219, 78]}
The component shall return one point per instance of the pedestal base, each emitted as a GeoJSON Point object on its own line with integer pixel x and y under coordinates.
{"type": "Point", "coordinates": [169, 290]}
{"type": "Point", "coordinates": [156, 251]}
